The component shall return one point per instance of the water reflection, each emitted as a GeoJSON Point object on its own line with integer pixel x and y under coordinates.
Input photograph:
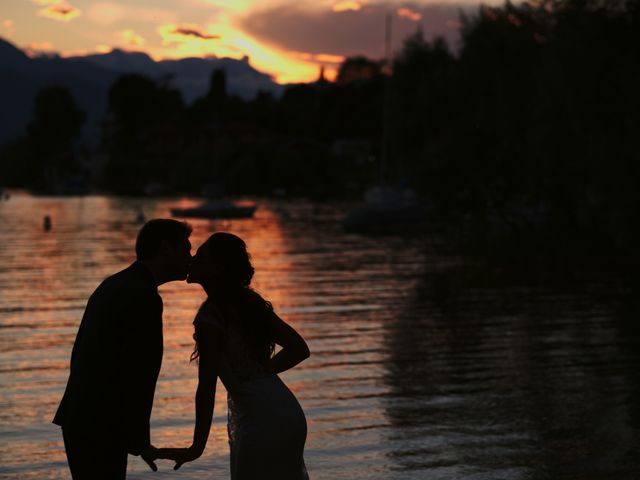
{"type": "Point", "coordinates": [415, 372]}
{"type": "Point", "coordinates": [514, 383]}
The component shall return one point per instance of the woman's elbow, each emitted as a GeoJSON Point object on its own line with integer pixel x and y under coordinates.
{"type": "Point", "coordinates": [305, 352]}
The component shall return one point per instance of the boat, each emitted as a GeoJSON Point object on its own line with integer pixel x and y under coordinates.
{"type": "Point", "coordinates": [216, 209]}
{"type": "Point", "coordinates": [386, 209]}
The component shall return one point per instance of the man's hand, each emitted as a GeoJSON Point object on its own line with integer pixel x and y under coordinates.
{"type": "Point", "coordinates": [149, 455]}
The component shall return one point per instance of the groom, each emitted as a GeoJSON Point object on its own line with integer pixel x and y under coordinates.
{"type": "Point", "coordinates": [116, 357]}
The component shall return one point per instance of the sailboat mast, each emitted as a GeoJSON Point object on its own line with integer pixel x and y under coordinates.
{"type": "Point", "coordinates": [386, 108]}
{"type": "Point", "coordinates": [387, 39]}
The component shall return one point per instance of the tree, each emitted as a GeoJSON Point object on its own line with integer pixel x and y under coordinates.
{"type": "Point", "coordinates": [142, 132]}
{"type": "Point", "coordinates": [55, 125]}
{"type": "Point", "coordinates": [357, 69]}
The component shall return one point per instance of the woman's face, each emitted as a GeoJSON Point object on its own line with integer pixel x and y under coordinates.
{"type": "Point", "coordinates": [204, 267]}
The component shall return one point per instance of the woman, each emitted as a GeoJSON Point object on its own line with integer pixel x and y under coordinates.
{"type": "Point", "coordinates": [236, 331]}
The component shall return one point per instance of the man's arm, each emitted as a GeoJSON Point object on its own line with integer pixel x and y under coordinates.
{"type": "Point", "coordinates": [139, 358]}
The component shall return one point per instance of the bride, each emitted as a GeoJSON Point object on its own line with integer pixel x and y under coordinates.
{"type": "Point", "coordinates": [235, 332]}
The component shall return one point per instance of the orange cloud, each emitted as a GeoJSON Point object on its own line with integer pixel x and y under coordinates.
{"type": "Point", "coordinates": [232, 43]}
{"type": "Point", "coordinates": [34, 49]}
{"type": "Point", "coordinates": [410, 14]}
{"type": "Point", "coordinates": [59, 11]}
{"type": "Point", "coordinates": [103, 49]}
{"type": "Point", "coordinates": [8, 27]}
{"type": "Point", "coordinates": [109, 13]}
{"type": "Point", "coordinates": [132, 38]}
{"type": "Point", "coordinates": [325, 57]}
{"type": "Point", "coordinates": [106, 13]}
{"type": "Point", "coordinates": [47, 2]}
{"type": "Point", "coordinates": [82, 52]}
{"type": "Point", "coordinates": [329, 62]}
{"type": "Point", "coordinates": [320, 58]}
{"type": "Point", "coordinates": [347, 5]}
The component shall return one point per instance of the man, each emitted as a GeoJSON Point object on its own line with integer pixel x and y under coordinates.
{"type": "Point", "coordinates": [116, 357]}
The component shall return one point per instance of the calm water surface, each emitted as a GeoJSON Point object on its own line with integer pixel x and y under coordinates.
{"type": "Point", "coordinates": [413, 375]}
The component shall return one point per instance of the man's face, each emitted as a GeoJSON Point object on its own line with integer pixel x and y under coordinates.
{"type": "Point", "coordinates": [178, 258]}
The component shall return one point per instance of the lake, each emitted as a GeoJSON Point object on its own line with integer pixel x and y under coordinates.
{"type": "Point", "coordinates": [414, 373]}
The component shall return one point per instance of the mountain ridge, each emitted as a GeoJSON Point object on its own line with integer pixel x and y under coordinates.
{"type": "Point", "coordinates": [89, 77]}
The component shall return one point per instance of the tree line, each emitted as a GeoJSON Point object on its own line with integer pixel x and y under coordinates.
{"type": "Point", "coordinates": [527, 131]}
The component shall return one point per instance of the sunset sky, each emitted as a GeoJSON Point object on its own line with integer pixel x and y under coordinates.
{"type": "Point", "coordinates": [288, 39]}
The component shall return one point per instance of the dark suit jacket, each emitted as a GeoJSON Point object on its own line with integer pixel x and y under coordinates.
{"type": "Point", "coordinates": [116, 360]}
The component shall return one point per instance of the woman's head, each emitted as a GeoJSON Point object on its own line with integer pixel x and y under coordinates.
{"type": "Point", "coordinates": [222, 262]}
{"type": "Point", "coordinates": [223, 267]}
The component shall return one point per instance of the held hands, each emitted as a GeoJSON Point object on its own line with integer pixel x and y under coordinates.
{"type": "Point", "coordinates": [149, 456]}
{"type": "Point", "coordinates": [178, 455]}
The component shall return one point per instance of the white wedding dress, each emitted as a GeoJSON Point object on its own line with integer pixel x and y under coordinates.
{"type": "Point", "coordinates": [266, 425]}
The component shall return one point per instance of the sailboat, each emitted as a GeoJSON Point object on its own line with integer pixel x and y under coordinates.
{"type": "Point", "coordinates": [387, 208]}
{"type": "Point", "coordinates": [216, 207]}
{"type": "Point", "coordinates": [223, 209]}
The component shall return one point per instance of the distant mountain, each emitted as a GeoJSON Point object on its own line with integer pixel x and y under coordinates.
{"type": "Point", "coordinates": [89, 78]}
{"type": "Point", "coordinates": [11, 53]}
{"type": "Point", "coordinates": [190, 75]}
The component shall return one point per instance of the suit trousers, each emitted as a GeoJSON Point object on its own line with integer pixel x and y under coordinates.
{"type": "Point", "coordinates": [94, 456]}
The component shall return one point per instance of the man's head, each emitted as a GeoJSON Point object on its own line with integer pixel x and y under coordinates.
{"type": "Point", "coordinates": [163, 245]}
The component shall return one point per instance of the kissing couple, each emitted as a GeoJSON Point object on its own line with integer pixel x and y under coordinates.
{"type": "Point", "coordinates": [106, 407]}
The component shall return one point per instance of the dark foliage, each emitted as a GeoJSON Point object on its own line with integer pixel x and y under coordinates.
{"type": "Point", "coordinates": [526, 137]}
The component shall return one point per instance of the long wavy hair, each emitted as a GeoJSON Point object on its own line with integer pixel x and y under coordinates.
{"type": "Point", "coordinates": [235, 298]}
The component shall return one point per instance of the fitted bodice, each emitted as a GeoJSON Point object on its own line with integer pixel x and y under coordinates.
{"type": "Point", "coordinates": [237, 360]}
{"type": "Point", "coordinates": [266, 424]}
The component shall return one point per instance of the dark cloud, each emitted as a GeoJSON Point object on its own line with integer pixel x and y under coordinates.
{"type": "Point", "coordinates": [62, 9]}
{"type": "Point", "coordinates": [192, 32]}
{"type": "Point", "coordinates": [64, 12]}
{"type": "Point", "coordinates": [350, 32]}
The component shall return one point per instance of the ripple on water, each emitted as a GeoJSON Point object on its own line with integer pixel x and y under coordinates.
{"type": "Point", "coordinates": [402, 384]}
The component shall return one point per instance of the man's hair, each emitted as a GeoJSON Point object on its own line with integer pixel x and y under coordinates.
{"type": "Point", "coordinates": [158, 230]}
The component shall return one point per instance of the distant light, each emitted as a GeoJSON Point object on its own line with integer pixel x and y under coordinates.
{"type": "Point", "coordinates": [347, 6]}
{"type": "Point", "coordinates": [410, 14]}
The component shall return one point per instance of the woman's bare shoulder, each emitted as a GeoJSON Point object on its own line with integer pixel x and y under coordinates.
{"type": "Point", "coordinates": [208, 314]}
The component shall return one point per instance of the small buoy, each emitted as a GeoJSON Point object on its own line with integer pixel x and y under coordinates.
{"type": "Point", "coordinates": [140, 218]}
{"type": "Point", "coordinates": [46, 223]}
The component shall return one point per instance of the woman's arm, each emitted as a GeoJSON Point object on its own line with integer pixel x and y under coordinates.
{"type": "Point", "coordinates": [294, 348]}
{"type": "Point", "coordinates": [207, 379]}
{"type": "Point", "coordinates": [205, 393]}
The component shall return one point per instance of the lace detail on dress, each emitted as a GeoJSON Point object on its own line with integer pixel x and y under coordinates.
{"type": "Point", "coordinates": [258, 430]}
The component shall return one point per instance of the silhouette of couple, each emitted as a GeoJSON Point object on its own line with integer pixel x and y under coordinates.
{"type": "Point", "coordinates": [116, 357]}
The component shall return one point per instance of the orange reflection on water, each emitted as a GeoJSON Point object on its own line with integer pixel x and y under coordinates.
{"type": "Point", "coordinates": [302, 265]}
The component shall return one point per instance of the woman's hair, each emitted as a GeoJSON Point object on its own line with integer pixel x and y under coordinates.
{"type": "Point", "coordinates": [231, 251]}
{"type": "Point", "coordinates": [233, 294]}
